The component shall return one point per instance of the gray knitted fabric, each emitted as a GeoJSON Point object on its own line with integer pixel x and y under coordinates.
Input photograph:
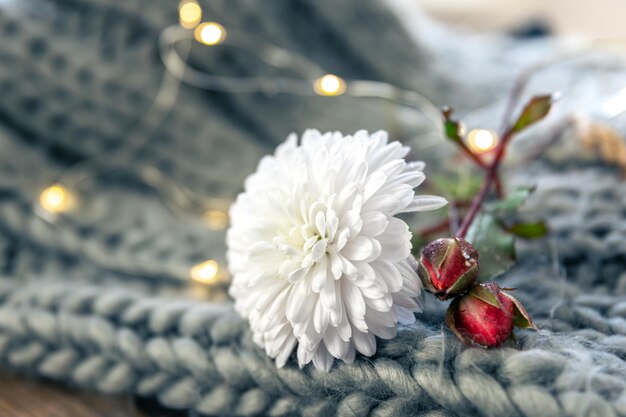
{"type": "Point", "coordinates": [99, 297]}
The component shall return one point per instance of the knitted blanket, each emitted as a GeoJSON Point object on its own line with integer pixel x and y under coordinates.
{"type": "Point", "coordinates": [100, 297]}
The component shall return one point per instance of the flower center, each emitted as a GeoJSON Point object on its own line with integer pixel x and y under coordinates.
{"type": "Point", "coordinates": [318, 233]}
{"type": "Point", "coordinates": [314, 239]}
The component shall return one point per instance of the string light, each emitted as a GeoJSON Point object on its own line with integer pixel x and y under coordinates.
{"type": "Point", "coordinates": [56, 199]}
{"type": "Point", "coordinates": [174, 58]}
{"type": "Point", "coordinates": [216, 219]}
{"type": "Point", "coordinates": [210, 33]}
{"type": "Point", "coordinates": [482, 140]}
{"type": "Point", "coordinates": [205, 272]}
{"type": "Point", "coordinates": [189, 13]}
{"type": "Point", "coordinates": [329, 85]}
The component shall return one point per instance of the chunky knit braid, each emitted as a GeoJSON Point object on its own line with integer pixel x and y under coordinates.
{"type": "Point", "coordinates": [193, 355]}
{"type": "Point", "coordinates": [200, 356]}
{"type": "Point", "coordinates": [97, 298]}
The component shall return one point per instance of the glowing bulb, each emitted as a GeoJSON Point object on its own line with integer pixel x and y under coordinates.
{"type": "Point", "coordinates": [329, 85]}
{"type": "Point", "coordinates": [210, 33]}
{"type": "Point", "coordinates": [56, 199]}
{"type": "Point", "coordinates": [205, 272]}
{"type": "Point", "coordinates": [189, 13]}
{"type": "Point", "coordinates": [482, 140]}
{"type": "Point", "coordinates": [216, 219]}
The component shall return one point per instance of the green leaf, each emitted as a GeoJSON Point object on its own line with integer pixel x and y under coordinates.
{"type": "Point", "coordinates": [522, 318]}
{"type": "Point", "coordinates": [463, 282]}
{"type": "Point", "coordinates": [453, 130]}
{"type": "Point", "coordinates": [485, 295]}
{"type": "Point", "coordinates": [495, 246]}
{"type": "Point", "coordinates": [511, 204]}
{"type": "Point", "coordinates": [451, 127]}
{"type": "Point", "coordinates": [537, 108]}
{"type": "Point", "coordinates": [529, 230]}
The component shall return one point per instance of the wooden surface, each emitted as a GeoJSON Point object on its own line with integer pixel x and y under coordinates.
{"type": "Point", "coordinates": [25, 397]}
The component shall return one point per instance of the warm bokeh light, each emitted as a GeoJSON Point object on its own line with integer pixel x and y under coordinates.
{"type": "Point", "coordinates": [216, 219]}
{"type": "Point", "coordinates": [462, 130]}
{"type": "Point", "coordinates": [329, 85]}
{"type": "Point", "coordinates": [56, 199]}
{"type": "Point", "coordinates": [482, 140]}
{"type": "Point", "coordinates": [205, 272]}
{"type": "Point", "coordinates": [210, 33]}
{"type": "Point", "coordinates": [189, 13]}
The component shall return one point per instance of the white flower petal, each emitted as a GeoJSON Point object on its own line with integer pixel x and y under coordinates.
{"type": "Point", "coordinates": [353, 299]}
{"type": "Point", "coordinates": [298, 274]}
{"type": "Point", "coordinates": [359, 248]}
{"type": "Point", "coordinates": [404, 300]}
{"type": "Point", "coordinates": [382, 331]}
{"type": "Point", "coordinates": [404, 315]}
{"type": "Point", "coordinates": [320, 318]}
{"type": "Point", "coordinates": [336, 265]}
{"type": "Point", "coordinates": [300, 305]}
{"type": "Point", "coordinates": [322, 359]}
{"type": "Point", "coordinates": [319, 261]}
{"type": "Point", "coordinates": [319, 275]}
{"type": "Point", "coordinates": [365, 343]}
{"type": "Point", "coordinates": [374, 290]}
{"type": "Point", "coordinates": [320, 223]}
{"type": "Point", "coordinates": [412, 178]}
{"type": "Point", "coordinates": [373, 184]}
{"type": "Point", "coordinates": [319, 250]}
{"type": "Point", "coordinates": [415, 165]}
{"type": "Point", "coordinates": [284, 352]}
{"type": "Point", "coordinates": [304, 356]}
{"type": "Point", "coordinates": [380, 318]}
{"type": "Point", "coordinates": [344, 234]}
{"type": "Point", "coordinates": [366, 274]}
{"type": "Point", "coordinates": [349, 270]}
{"type": "Point", "coordinates": [344, 329]}
{"type": "Point", "coordinates": [426, 203]}
{"type": "Point", "coordinates": [381, 304]}
{"type": "Point", "coordinates": [374, 223]}
{"type": "Point", "coordinates": [327, 295]}
{"type": "Point", "coordinates": [390, 274]}
{"type": "Point", "coordinates": [386, 203]}
{"type": "Point", "coordinates": [336, 347]}
{"type": "Point", "coordinates": [393, 168]}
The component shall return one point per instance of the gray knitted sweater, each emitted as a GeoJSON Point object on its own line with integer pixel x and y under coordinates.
{"type": "Point", "coordinates": [99, 297]}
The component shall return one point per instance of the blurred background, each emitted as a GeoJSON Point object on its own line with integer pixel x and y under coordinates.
{"type": "Point", "coordinates": [127, 128]}
{"type": "Point", "coordinates": [562, 17]}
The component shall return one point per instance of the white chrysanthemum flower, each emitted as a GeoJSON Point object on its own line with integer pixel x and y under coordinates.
{"type": "Point", "coordinates": [317, 255]}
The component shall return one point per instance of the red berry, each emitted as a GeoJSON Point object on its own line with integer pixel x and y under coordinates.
{"type": "Point", "coordinates": [486, 315]}
{"type": "Point", "coordinates": [448, 267]}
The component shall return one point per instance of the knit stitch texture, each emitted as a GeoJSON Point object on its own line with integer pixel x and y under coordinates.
{"type": "Point", "coordinates": [99, 298]}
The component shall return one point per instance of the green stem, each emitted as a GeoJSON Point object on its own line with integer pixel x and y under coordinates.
{"type": "Point", "coordinates": [491, 177]}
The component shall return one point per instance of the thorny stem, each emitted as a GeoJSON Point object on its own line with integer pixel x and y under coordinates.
{"type": "Point", "coordinates": [472, 155]}
{"type": "Point", "coordinates": [479, 161]}
{"type": "Point", "coordinates": [491, 177]}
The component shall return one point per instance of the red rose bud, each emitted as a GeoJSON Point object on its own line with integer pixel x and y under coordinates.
{"type": "Point", "coordinates": [448, 267]}
{"type": "Point", "coordinates": [486, 315]}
